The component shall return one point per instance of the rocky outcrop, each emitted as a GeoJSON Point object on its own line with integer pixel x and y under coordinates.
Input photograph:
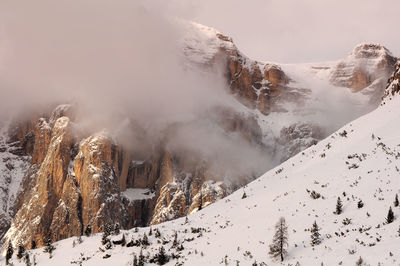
{"type": "Point", "coordinates": [12, 170]}
{"type": "Point", "coordinates": [298, 137]}
{"type": "Point", "coordinates": [171, 204]}
{"type": "Point", "coordinates": [21, 137]}
{"type": "Point", "coordinates": [74, 190]}
{"type": "Point", "coordinates": [367, 64]}
{"type": "Point", "coordinates": [76, 182]}
{"type": "Point", "coordinates": [33, 220]}
{"type": "Point", "coordinates": [393, 86]}
{"type": "Point", "coordinates": [262, 86]}
{"type": "Point", "coordinates": [209, 192]}
{"type": "Point", "coordinates": [41, 142]}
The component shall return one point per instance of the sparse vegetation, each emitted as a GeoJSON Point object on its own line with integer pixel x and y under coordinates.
{"type": "Point", "coordinates": [315, 235]}
{"type": "Point", "coordinates": [390, 216]}
{"type": "Point", "coordinates": [280, 240]}
{"type": "Point", "coordinates": [339, 206]}
{"type": "Point", "coordinates": [9, 253]}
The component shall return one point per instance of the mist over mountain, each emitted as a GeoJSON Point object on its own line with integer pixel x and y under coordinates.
{"type": "Point", "coordinates": [129, 114]}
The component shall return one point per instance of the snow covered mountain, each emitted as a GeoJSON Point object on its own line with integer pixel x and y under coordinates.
{"type": "Point", "coordinates": [358, 164]}
{"type": "Point", "coordinates": [295, 105]}
{"type": "Point", "coordinates": [66, 181]}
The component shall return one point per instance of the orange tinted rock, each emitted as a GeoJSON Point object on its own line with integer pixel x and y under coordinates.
{"type": "Point", "coordinates": [42, 141]}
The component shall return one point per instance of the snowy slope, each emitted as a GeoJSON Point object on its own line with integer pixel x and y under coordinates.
{"type": "Point", "coordinates": [12, 170]}
{"type": "Point", "coordinates": [359, 161]}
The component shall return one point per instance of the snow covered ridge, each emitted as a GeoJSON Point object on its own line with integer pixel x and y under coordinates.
{"type": "Point", "coordinates": [339, 199]}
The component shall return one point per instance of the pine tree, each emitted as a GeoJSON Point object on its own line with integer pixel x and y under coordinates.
{"type": "Point", "coordinates": [157, 233]}
{"type": "Point", "coordinates": [123, 240]}
{"type": "Point", "coordinates": [151, 232]}
{"type": "Point", "coordinates": [33, 244]}
{"type": "Point", "coordinates": [161, 257]}
{"type": "Point", "coordinates": [200, 203]}
{"type": "Point", "coordinates": [27, 259]}
{"type": "Point", "coordinates": [359, 262]}
{"type": "Point", "coordinates": [135, 261]}
{"type": "Point", "coordinates": [10, 252]}
{"type": "Point", "coordinates": [21, 251]}
{"type": "Point", "coordinates": [106, 234]}
{"type": "Point", "coordinates": [145, 240]}
{"type": "Point", "coordinates": [116, 229]}
{"type": "Point", "coordinates": [244, 195]}
{"type": "Point", "coordinates": [280, 240]}
{"type": "Point", "coordinates": [141, 258]}
{"type": "Point", "coordinates": [360, 204]}
{"type": "Point", "coordinates": [88, 230]}
{"type": "Point", "coordinates": [396, 201]}
{"type": "Point", "coordinates": [315, 235]}
{"type": "Point", "coordinates": [49, 248]}
{"type": "Point", "coordinates": [390, 216]}
{"type": "Point", "coordinates": [339, 206]}
{"type": "Point", "coordinates": [175, 243]}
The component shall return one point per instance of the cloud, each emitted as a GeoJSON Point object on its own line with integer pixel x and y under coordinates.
{"type": "Point", "coordinates": [295, 31]}
{"type": "Point", "coordinates": [120, 63]}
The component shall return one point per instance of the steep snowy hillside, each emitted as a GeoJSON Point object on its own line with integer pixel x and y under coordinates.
{"type": "Point", "coordinates": [358, 164]}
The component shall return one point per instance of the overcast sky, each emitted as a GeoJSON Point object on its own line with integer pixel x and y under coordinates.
{"type": "Point", "coordinates": [294, 31]}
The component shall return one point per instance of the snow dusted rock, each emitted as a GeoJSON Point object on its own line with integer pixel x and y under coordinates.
{"type": "Point", "coordinates": [21, 136]}
{"type": "Point", "coordinates": [42, 141]}
{"type": "Point", "coordinates": [299, 137]}
{"type": "Point", "coordinates": [360, 162]}
{"type": "Point", "coordinates": [367, 65]}
{"type": "Point", "coordinates": [393, 86]}
{"type": "Point", "coordinates": [60, 111]}
{"type": "Point", "coordinates": [171, 204]}
{"type": "Point", "coordinates": [12, 169]}
{"type": "Point", "coordinates": [33, 219]}
{"type": "Point", "coordinates": [255, 84]}
{"type": "Point", "coordinates": [209, 193]}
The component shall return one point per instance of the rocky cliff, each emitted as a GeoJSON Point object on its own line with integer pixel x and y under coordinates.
{"type": "Point", "coordinates": [73, 182]}
{"type": "Point", "coordinates": [367, 65]}
{"type": "Point", "coordinates": [69, 180]}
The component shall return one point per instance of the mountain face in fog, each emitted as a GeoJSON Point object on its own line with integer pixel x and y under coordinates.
{"type": "Point", "coordinates": [75, 176]}
{"type": "Point", "coordinates": [149, 122]}
{"type": "Point", "coordinates": [345, 188]}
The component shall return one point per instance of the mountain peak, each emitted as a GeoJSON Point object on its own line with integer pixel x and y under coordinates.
{"type": "Point", "coordinates": [370, 51]}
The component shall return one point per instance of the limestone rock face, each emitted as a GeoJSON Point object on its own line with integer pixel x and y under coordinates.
{"type": "Point", "coordinates": [68, 190]}
{"type": "Point", "coordinates": [393, 87]}
{"type": "Point", "coordinates": [22, 136]}
{"type": "Point", "coordinates": [99, 182]}
{"type": "Point", "coordinates": [209, 193]}
{"type": "Point", "coordinates": [257, 85]}
{"type": "Point", "coordinates": [260, 86]}
{"type": "Point", "coordinates": [368, 63]}
{"type": "Point", "coordinates": [33, 220]}
{"type": "Point", "coordinates": [298, 137]}
{"type": "Point", "coordinates": [12, 169]}
{"type": "Point", "coordinates": [42, 141]}
{"type": "Point", "coordinates": [171, 204]}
